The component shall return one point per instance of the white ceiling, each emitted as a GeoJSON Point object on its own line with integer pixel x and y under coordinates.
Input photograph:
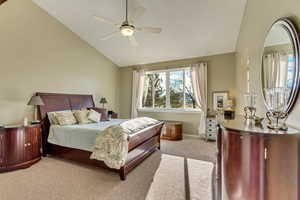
{"type": "Point", "coordinates": [191, 28]}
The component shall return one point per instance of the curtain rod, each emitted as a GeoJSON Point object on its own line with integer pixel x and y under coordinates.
{"type": "Point", "coordinates": [170, 66]}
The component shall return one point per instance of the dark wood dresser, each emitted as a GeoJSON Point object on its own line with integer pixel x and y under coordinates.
{"type": "Point", "coordinates": [20, 147]}
{"type": "Point", "coordinates": [256, 163]}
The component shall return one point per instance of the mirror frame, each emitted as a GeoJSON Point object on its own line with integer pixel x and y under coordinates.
{"type": "Point", "coordinates": [292, 31]}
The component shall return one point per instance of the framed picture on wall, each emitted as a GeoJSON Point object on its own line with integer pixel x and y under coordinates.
{"type": "Point", "coordinates": [219, 100]}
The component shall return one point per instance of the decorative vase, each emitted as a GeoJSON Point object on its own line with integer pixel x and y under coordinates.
{"type": "Point", "coordinates": [277, 102]}
{"type": "Point", "coordinates": [250, 102]}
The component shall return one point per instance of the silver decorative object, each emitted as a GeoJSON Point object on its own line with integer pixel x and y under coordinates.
{"type": "Point", "coordinates": [250, 102]}
{"type": "Point", "coordinates": [277, 103]}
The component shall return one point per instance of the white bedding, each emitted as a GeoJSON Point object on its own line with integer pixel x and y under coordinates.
{"type": "Point", "coordinates": [79, 136]}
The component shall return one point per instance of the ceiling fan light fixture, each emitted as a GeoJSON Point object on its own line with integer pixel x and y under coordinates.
{"type": "Point", "coordinates": [127, 30]}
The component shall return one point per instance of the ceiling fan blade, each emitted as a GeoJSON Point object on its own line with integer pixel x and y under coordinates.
{"type": "Point", "coordinates": [106, 37]}
{"type": "Point", "coordinates": [133, 41]}
{"type": "Point", "coordinates": [149, 29]}
{"type": "Point", "coordinates": [139, 12]}
{"type": "Point", "coordinates": [106, 20]}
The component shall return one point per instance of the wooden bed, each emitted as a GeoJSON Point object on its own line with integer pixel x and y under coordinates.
{"type": "Point", "coordinates": [141, 144]}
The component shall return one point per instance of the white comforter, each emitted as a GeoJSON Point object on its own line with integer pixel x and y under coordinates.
{"type": "Point", "coordinates": [79, 136]}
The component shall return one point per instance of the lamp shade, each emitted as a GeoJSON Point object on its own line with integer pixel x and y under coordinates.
{"type": "Point", "coordinates": [36, 101]}
{"type": "Point", "coordinates": [103, 100]}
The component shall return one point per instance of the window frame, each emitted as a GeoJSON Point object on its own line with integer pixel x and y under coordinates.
{"type": "Point", "coordinates": [168, 107]}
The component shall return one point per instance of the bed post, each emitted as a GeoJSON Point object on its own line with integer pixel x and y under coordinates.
{"type": "Point", "coordinates": [45, 132]}
{"type": "Point", "coordinates": [122, 173]}
{"type": "Point", "coordinates": [159, 140]}
{"type": "Point", "coordinates": [158, 143]}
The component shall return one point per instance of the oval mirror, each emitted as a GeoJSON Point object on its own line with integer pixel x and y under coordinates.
{"type": "Point", "coordinates": [280, 61]}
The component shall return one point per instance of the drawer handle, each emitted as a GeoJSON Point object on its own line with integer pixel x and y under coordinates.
{"type": "Point", "coordinates": [27, 144]}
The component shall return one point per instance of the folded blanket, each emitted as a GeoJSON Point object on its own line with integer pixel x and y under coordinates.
{"type": "Point", "coordinates": [111, 146]}
{"type": "Point", "coordinates": [137, 124]}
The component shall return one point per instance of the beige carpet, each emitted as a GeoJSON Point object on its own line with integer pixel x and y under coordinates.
{"type": "Point", "coordinates": [180, 179]}
{"type": "Point", "coordinates": [169, 180]}
{"type": "Point", "coordinates": [200, 179]}
{"type": "Point", "coordinates": [191, 148]}
{"type": "Point", "coordinates": [55, 179]}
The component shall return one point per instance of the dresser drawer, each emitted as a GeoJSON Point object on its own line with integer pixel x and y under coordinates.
{"type": "Point", "coordinates": [211, 125]}
{"type": "Point", "coordinates": [211, 135]}
{"type": "Point", "coordinates": [211, 130]}
{"type": "Point", "coordinates": [211, 120]}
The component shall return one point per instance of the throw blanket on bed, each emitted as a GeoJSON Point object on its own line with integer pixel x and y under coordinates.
{"type": "Point", "coordinates": [111, 146]}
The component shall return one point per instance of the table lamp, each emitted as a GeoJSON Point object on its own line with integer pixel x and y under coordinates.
{"type": "Point", "coordinates": [35, 101]}
{"type": "Point", "coordinates": [103, 101]}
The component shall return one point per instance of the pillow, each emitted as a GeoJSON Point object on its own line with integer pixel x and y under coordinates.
{"type": "Point", "coordinates": [82, 116]}
{"type": "Point", "coordinates": [65, 118]}
{"type": "Point", "coordinates": [94, 116]}
{"type": "Point", "coordinates": [102, 111]}
{"type": "Point", "coordinates": [52, 118]}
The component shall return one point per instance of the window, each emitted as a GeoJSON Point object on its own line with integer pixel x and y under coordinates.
{"type": "Point", "coordinates": [290, 71]}
{"type": "Point", "coordinates": [170, 89]}
{"type": "Point", "coordinates": [155, 90]}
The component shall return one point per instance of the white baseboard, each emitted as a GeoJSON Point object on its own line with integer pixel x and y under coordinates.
{"type": "Point", "coordinates": [192, 136]}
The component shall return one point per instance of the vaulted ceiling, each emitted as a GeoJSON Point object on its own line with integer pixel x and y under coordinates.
{"type": "Point", "coordinates": [190, 28]}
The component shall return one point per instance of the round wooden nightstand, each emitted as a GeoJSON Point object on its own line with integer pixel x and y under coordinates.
{"type": "Point", "coordinates": [172, 130]}
{"type": "Point", "coordinates": [20, 146]}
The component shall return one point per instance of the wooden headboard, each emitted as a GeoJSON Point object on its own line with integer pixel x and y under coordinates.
{"type": "Point", "coordinates": [58, 102]}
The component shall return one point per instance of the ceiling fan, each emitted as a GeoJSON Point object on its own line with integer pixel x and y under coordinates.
{"type": "Point", "coordinates": [127, 28]}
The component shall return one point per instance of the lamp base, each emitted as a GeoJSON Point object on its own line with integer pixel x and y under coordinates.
{"type": "Point", "coordinates": [249, 112]}
{"type": "Point", "coordinates": [277, 120]}
{"type": "Point", "coordinates": [280, 127]}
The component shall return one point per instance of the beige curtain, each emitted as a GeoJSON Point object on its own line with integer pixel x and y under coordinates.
{"type": "Point", "coordinates": [199, 82]}
{"type": "Point", "coordinates": [137, 91]}
{"type": "Point", "coordinates": [275, 66]}
{"type": "Point", "coordinates": [146, 85]}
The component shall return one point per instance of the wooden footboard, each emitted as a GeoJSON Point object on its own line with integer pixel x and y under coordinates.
{"type": "Point", "coordinates": [141, 136]}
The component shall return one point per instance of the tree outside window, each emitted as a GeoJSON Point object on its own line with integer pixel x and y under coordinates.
{"type": "Point", "coordinates": [169, 89]}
